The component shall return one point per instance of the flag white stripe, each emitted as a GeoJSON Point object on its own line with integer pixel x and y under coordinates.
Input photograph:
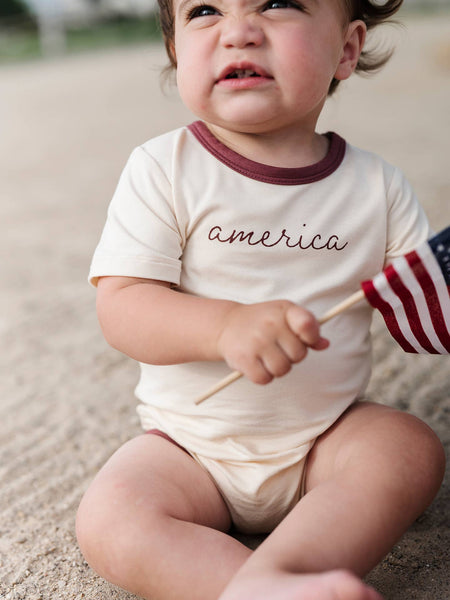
{"type": "Point", "coordinates": [410, 281]}
{"type": "Point", "coordinates": [433, 268]}
{"type": "Point", "coordinates": [388, 295]}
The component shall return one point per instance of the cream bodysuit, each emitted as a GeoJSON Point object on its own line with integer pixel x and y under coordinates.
{"type": "Point", "coordinates": [192, 212]}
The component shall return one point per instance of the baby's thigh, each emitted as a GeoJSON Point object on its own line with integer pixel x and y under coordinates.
{"type": "Point", "coordinates": [150, 477]}
{"type": "Point", "coordinates": [381, 444]}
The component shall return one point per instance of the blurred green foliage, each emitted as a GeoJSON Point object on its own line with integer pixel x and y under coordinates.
{"type": "Point", "coordinates": [22, 43]}
{"type": "Point", "coordinates": [13, 8]}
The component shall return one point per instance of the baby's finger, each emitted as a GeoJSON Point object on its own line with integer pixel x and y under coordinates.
{"type": "Point", "coordinates": [292, 346]}
{"type": "Point", "coordinates": [322, 344]}
{"type": "Point", "coordinates": [254, 370]}
{"type": "Point", "coordinates": [276, 361]}
{"type": "Point", "coordinates": [305, 325]}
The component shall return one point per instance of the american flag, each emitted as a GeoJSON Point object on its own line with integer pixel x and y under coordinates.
{"type": "Point", "coordinates": [413, 296]}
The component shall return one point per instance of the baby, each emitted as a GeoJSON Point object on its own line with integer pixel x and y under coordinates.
{"type": "Point", "coordinates": [223, 240]}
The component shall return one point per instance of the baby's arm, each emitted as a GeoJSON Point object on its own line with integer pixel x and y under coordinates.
{"type": "Point", "coordinates": [152, 323]}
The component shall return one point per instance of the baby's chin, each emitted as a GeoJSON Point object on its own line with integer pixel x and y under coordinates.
{"type": "Point", "coordinates": [241, 115]}
{"type": "Point", "coordinates": [243, 124]}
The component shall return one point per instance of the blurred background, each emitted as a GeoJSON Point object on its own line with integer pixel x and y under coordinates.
{"type": "Point", "coordinates": [36, 28]}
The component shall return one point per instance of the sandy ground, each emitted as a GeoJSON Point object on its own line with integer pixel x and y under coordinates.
{"type": "Point", "coordinates": [66, 401]}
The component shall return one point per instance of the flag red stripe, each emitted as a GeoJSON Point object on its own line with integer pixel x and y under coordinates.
{"type": "Point", "coordinates": [431, 296]}
{"type": "Point", "coordinates": [410, 308]}
{"type": "Point", "coordinates": [387, 311]}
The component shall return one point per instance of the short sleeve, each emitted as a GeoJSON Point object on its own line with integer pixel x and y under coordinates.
{"type": "Point", "coordinates": [407, 224]}
{"type": "Point", "coordinates": [141, 237]}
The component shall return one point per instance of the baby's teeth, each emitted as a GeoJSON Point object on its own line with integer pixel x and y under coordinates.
{"type": "Point", "coordinates": [241, 73]}
{"type": "Point", "coordinates": [244, 73]}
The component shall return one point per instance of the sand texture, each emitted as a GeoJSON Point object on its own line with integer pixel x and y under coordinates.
{"type": "Point", "coordinates": [66, 402]}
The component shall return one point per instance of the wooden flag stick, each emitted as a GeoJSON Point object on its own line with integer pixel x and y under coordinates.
{"type": "Point", "coordinates": [339, 308]}
{"type": "Point", "coordinates": [235, 375]}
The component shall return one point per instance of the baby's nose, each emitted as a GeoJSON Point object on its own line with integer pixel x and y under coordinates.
{"type": "Point", "coordinates": [239, 32]}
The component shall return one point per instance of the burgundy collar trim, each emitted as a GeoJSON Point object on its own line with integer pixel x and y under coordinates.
{"type": "Point", "coordinates": [267, 173]}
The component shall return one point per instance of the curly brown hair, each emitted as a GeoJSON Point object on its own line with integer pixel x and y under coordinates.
{"type": "Point", "coordinates": [371, 12]}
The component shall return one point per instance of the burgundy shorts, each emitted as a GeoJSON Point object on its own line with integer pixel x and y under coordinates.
{"type": "Point", "coordinates": [166, 437]}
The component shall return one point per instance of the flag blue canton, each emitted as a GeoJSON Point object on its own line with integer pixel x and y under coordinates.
{"type": "Point", "coordinates": [440, 245]}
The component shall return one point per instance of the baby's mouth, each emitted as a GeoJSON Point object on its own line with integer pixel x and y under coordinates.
{"type": "Point", "coordinates": [241, 74]}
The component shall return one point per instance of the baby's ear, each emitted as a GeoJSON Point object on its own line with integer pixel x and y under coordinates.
{"type": "Point", "coordinates": [352, 48]}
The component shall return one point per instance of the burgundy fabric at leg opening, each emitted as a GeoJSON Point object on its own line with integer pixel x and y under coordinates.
{"type": "Point", "coordinates": [166, 437]}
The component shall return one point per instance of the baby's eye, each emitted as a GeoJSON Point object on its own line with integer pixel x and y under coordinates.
{"type": "Point", "coordinates": [281, 4]}
{"type": "Point", "coordinates": [202, 10]}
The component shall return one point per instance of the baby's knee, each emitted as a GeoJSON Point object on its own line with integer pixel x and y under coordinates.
{"type": "Point", "coordinates": [93, 521]}
{"type": "Point", "coordinates": [432, 459]}
{"type": "Point", "coordinates": [401, 455]}
{"type": "Point", "coordinates": [102, 536]}
{"type": "Point", "coordinates": [422, 457]}
{"type": "Point", "coordinates": [118, 533]}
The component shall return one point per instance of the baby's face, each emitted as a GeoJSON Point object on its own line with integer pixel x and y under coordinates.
{"type": "Point", "coordinates": [257, 65]}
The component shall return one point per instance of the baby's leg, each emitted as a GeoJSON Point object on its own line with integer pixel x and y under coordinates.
{"type": "Point", "coordinates": [368, 478]}
{"type": "Point", "coordinates": [152, 522]}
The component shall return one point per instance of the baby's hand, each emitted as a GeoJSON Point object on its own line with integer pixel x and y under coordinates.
{"type": "Point", "coordinates": [263, 341]}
